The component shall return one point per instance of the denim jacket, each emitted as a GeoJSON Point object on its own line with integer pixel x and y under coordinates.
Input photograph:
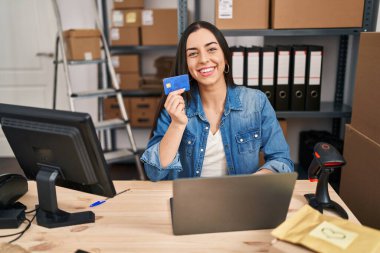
{"type": "Point", "coordinates": [248, 125]}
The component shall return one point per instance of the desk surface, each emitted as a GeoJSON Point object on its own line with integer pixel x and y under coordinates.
{"type": "Point", "coordinates": [139, 221]}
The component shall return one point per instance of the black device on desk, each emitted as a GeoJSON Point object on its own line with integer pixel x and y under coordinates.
{"type": "Point", "coordinates": [326, 159]}
{"type": "Point", "coordinates": [12, 187]}
{"type": "Point", "coordinates": [57, 148]}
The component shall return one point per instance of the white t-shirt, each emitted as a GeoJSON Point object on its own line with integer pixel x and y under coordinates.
{"type": "Point", "coordinates": [214, 163]}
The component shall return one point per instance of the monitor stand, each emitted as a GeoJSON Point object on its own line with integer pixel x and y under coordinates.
{"type": "Point", "coordinates": [48, 214]}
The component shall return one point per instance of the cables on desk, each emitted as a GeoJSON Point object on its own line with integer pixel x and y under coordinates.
{"type": "Point", "coordinates": [21, 233]}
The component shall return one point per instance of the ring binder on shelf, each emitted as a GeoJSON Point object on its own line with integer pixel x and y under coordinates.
{"type": "Point", "coordinates": [282, 75]}
{"type": "Point", "coordinates": [238, 63]}
{"type": "Point", "coordinates": [253, 67]}
{"type": "Point", "coordinates": [267, 80]}
{"type": "Point", "coordinates": [313, 78]}
{"type": "Point", "coordinates": [297, 102]}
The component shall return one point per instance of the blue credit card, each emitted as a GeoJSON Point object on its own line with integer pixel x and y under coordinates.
{"type": "Point", "coordinates": [176, 83]}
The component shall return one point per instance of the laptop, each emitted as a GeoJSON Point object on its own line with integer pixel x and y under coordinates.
{"type": "Point", "coordinates": [230, 203]}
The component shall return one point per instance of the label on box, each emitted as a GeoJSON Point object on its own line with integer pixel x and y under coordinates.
{"type": "Point", "coordinates": [225, 9]}
{"type": "Point", "coordinates": [333, 234]}
{"type": "Point", "coordinates": [130, 17]}
{"type": "Point", "coordinates": [88, 56]}
{"type": "Point", "coordinates": [118, 1]}
{"type": "Point", "coordinates": [117, 18]}
{"type": "Point", "coordinates": [115, 61]}
{"type": "Point", "coordinates": [115, 34]}
{"type": "Point", "coordinates": [147, 17]}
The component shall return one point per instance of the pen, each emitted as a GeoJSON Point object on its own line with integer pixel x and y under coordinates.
{"type": "Point", "coordinates": [99, 202]}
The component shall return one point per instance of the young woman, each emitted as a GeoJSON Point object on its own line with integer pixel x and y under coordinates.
{"type": "Point", "coordinates": [217, 128]}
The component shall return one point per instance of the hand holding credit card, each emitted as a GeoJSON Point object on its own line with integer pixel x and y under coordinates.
{"type": "Point", "coordinates": [176, 83]}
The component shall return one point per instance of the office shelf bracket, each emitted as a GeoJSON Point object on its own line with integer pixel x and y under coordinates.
{"type": "Point", "coordinates": [370, 15]}
{"type": "Point", "coordinates": [182, 17]}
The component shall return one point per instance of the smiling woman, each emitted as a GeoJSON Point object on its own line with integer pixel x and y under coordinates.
{"type": "Point", "coordinates": [216, 128]}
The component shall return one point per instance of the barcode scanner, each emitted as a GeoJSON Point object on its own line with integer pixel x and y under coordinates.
{"type": "Point", "coordinates": [326, 159]}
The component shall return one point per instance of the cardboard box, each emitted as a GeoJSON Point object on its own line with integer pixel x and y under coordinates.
{"type": "Point", "coordinates": [159, 27]}
{"type": "Point", "coordinates": [143, 111]}
{"type": "Point", "coordinates": [151, 82]}
{"type": "Point", "coordinates": [126, 18]}
{"type": "Point", "coordinates": [126, 63]}
{"type": "Point", "coordinates": [360, 178]}
{"type": "Point", "coordinates": [111, 108]}
{"type": "Point", "coordinates": [284, 127]}
{"type": "Point", "coordinates": [289, 14]}
{"type": "Point", "coordinates": [164, 66]}
{"type": "Point", "coordinates": [242, 14]}
{"type": "Point", "coordinates": [82, 44]}
{"type": "Point", "coordinates": [128, 4]}
{"type": "Point", "coordinates": [125, 36]}
{"type": "Point", "coordinates": [128, 81]}
{"type": "Point", "coordinates": [365, 108]}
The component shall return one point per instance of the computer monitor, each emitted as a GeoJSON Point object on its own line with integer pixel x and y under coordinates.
{"type": "Point", "coordinates": [57, 148]}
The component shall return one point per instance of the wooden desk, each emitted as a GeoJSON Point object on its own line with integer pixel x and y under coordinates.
{"type": "Point", "coordinates": [139, 221]}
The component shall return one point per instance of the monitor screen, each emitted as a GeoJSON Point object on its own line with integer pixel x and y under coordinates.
{"type": "Point", "coordinates": [57, 148]}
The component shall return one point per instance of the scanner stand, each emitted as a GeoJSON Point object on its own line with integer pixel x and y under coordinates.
{"type": "Point", "coordinates": [321, 199]}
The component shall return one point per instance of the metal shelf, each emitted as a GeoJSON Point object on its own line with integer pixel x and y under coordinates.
{"type": "Point", "coordinates": [328, 110]}
{"type": "Point", "coordinates": [295, 32]}
{"type": "Point", "coordinates": [142, 93]}
{"type": "Point", "coordinates": [81, 62]}
{"type": "Point", "coordinates": [134, 49]}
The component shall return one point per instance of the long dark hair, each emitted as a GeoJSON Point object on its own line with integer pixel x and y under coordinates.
{"type": "Point", "coordinates": [180, 67]}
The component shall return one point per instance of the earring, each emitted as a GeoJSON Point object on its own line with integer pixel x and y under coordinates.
{"type": "Point", "coordinates": [228, 69]}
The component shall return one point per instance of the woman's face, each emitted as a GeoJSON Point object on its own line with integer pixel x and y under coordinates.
{"type": "Point", "coordinates": [205, 58]}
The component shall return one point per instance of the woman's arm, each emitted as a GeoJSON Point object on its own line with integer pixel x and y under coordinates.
{"type": "Point", "coordinates": [274, 146]}
{"type": "Point", "coordinates": [175, 106]}
{"type": "Point", "coordinates": [164, 145]}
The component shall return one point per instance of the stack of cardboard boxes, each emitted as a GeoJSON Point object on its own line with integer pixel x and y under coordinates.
{"type": "Point", "coordinates": [133, 25]}
{"type": "Point", "coordinates": [126, 23]}
{"type": "Point", "coordinates": [127, 69]}
{"type": "Point", "coordinates": [288, 14]}
{"type": "Point", "coordinates": [360, 179]}
{"type": "Point", "coordinates": [141, 110]}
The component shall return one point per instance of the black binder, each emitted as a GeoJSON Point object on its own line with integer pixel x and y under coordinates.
{"type": "Point", "coordinates": [252, 55]}
{"type": "Point", "coordinates": [238, 65]}
{"type": "Point", "coordinates": [298, 78]}
{"type": "Point", "coordinates": [282, 78]}
{"type": "Point", "coordinates": [267, 72]}
{"type": "Point", "coordinates": [314, 78]}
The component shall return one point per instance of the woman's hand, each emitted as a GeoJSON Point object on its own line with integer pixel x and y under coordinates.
{"type": "Point", "coordinates": [264, 171]}
{"type": "Point", "coordinates": [175, 106]}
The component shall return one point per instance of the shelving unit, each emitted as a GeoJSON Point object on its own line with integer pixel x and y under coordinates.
{"type": "Point", "coordinates": [117, 50]}
{"type": "Point", "coordinates": [328, 110]}
{"type": "Point", "coordinates": [140, 49]}
{"type": "Point", "coordinates": [336, 110]}
{"type": "Point", "coordinates": [294, 32]}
